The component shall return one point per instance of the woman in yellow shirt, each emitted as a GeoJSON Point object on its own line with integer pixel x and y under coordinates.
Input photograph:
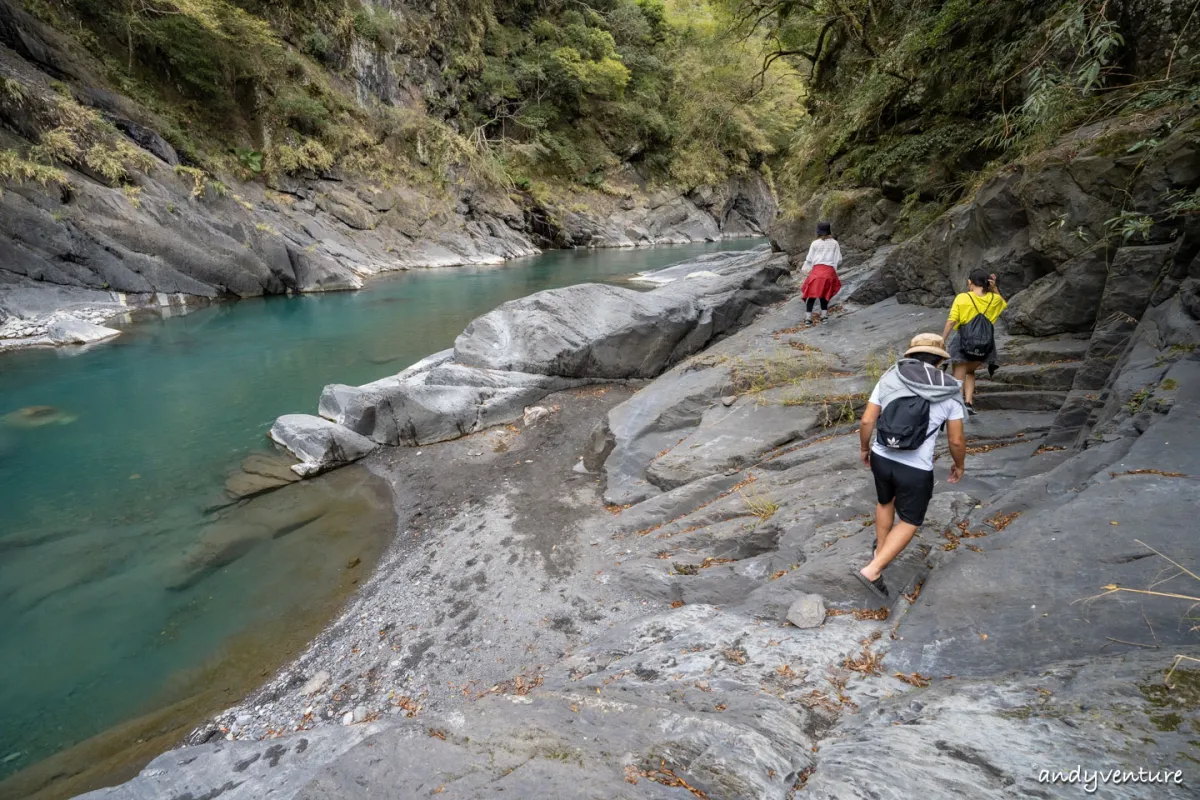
{"type": "Point", "coordinates": [982, 297]}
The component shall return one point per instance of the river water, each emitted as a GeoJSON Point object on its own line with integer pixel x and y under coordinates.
{"type": "Point", "coordinates": [103, 500]}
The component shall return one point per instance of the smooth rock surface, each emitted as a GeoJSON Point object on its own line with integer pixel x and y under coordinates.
{"type": "Point", "coordinates": [69, 330]}
{"type": "Point", "coordinates": [598, 331]}
{"type": "Point", "coordinates": [320, 445]}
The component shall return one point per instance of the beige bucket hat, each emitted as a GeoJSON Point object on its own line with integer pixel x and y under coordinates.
{"type": "Point", "coordinates": [927, 343]}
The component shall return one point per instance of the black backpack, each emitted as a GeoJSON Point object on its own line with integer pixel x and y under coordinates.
{"type": "Point", "coordinates": [977, 338]}
{"type": "Point", "coordinates": [904, 424]}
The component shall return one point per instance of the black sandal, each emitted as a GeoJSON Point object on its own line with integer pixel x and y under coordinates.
{"type": "Point", "coordinates": [876, 587]}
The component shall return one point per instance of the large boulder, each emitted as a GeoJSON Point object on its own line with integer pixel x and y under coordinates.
{"type": "Point", "coordinates": [1063, 301]}
{"type": "Point", "coordinates": [601, 331]}
{"type": "Point", "coordinates": [317, 272]}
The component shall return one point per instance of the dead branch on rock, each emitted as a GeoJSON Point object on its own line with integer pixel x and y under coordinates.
{"type": "Point", "coordinates": [1148, 472]}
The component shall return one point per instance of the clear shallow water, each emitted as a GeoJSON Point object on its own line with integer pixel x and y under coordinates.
{"type": "Point", "coordinates": [98, 509]}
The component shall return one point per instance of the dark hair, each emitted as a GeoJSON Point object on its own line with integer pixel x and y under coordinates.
{"type": "Point", "coordinates": [980, 279]}
{"type": "Point", "coordinates": [929, 358]}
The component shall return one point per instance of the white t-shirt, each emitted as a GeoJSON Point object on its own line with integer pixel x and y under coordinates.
{"type": "Point", "coordinates": [823, 251]}
{"type": "Point", "coordinates": [922, 457]}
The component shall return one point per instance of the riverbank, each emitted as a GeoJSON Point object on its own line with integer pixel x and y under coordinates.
{"type": "Point", "coordinates": [738, 657]}
{"type": "Point", "coordinates": [56, 311]}
{"type": "Point", "coordinates": [126, 483]}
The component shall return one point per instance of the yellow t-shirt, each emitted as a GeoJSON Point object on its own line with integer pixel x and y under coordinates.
{"type": "Point", "coordinates": [967, 305]}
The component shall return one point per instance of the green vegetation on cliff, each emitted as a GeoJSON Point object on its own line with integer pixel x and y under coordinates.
{"type": "Point", "coordinates": [513, 90]}
{"type": "Point", "coordinates": [921, 98]}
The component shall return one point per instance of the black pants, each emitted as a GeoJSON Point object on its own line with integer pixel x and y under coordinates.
{"type": "Point", "coordinates": [809, 304]}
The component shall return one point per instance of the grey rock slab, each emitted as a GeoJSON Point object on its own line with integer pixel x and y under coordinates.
{"type": "Point", "coordinates": [1019, 400]}
{"type": "Point", "coordinates": [731, 438]}
{"type": "Point", "coordinates": [1053, 377]}
{"type": "Point", "coordinates": [239, 770]}
{"type": "Point", "coordinates": [1005, 424]}
{"type": "Point", "coordinates": [991, 739]}
{"type": "Point", "coordinates": [601, 331]}
{"type": "Point", "coordinates": [828, 553]}
{"type": "Point", "coordinates": [669, 507]}
{"type": "Point", "coordinates": [320, 445]}
{"type": "Point", "coordinates": [807, 611]}
{"type": "Point", "coordinates": [560, 745]}
{"type": "Point", "coordinates": [872, 334]}
{"type": "Point", "coordinates": [69, 330]}
{"type": "Point", "coordinates": [651, 421]}
{"type": "Point", "coordinates": [1029, 591]}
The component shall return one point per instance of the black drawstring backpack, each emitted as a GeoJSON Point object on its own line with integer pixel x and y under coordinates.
{"type": "Point", "coordinates": [977, 338]}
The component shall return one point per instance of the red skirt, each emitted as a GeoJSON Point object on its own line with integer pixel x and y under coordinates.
{"type": "Point", "coordinates": [822, 283]}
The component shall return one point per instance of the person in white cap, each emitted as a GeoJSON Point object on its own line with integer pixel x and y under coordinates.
{"type": "Point", "coordinates": [908, 406]}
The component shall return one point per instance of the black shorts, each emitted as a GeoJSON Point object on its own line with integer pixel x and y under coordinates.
{"type": "Point", "coordinates": [910, 487]}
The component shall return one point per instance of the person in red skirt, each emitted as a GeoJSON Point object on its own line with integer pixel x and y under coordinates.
{"type": "Point", "coordinates": [822, 282]}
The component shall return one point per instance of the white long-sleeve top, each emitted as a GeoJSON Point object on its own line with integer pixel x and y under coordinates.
{"type": "Point", "coordinates": [823, 251]}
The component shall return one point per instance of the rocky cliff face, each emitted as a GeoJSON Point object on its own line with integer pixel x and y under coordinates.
{"type": "Point", "coordinates": [1095, 238]}
{"type": "Point", "coordinates": [173, 237]}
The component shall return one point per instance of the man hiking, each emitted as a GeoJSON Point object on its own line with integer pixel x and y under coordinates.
{"type": "Point", "coordinates": [898, 434]}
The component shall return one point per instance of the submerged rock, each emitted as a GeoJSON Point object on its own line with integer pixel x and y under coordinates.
{"type": "Point", "coordinates": [69, 330]}
{"type": "Point", "coordinates": [260, 473]}
{"type": "Point", "coordinates": [37, 417]}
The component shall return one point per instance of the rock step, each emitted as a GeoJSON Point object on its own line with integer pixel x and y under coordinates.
{"type": "Point", "coordinates": [1020, 400]}
{"type": "Point", "coordinates": [1043, 350]}
{"type": "Point", "coordinates": [1056, 377]}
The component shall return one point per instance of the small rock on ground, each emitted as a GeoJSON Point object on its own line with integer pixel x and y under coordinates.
{"type": "Point", "coordinates": [807, 611]}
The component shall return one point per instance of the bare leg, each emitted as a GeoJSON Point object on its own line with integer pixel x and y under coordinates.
{"type": "Point", "coordinates": [969, 383]}
{"type": "Point", "coordinates": [885, 517]}
{"type": "Point", "coordinates": [897, 539]}
{"type": "Point", "coordinates": [964, 373]}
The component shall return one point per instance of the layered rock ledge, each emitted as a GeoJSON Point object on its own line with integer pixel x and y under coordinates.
{"type": "Point", "coordinates": [524, 350]}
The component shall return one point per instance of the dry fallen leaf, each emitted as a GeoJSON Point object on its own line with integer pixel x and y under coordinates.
{"type": "Point", "coordinates": [983, 636]}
